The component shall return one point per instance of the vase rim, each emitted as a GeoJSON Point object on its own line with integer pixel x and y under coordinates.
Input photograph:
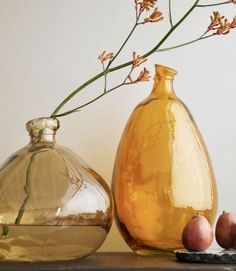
{"type": "Point", "coordinates": [45, 125]}
{"type": "Point", "coordinates": [163, 70]}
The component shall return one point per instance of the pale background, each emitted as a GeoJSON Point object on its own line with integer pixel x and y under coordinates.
{"type": "Point", "coordinates": [49, 47]}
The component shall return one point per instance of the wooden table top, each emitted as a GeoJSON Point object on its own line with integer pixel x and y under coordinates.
{"type": "Point", "coordinates": [114, 262]}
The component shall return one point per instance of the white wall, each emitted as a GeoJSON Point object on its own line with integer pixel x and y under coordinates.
{"type": "Point", "coordinates": [49, 47]}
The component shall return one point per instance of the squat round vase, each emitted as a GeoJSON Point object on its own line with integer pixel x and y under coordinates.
{"type": "Point", "coordinates": [162, 174]}
{"type": "Point", "coordinates": [52, 205]}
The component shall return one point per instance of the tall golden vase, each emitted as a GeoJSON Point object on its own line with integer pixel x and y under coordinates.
{"type": "Point", "coordinates": [162, 174]}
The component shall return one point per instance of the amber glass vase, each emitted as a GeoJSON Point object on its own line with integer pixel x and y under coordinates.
{"type": "Point", "coordinates": [52, 205]}
{"type": "Point", "coordinates": [162, 175]}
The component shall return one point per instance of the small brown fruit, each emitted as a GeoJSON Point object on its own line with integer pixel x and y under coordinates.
{"type": "Point", "coordinates": [224, 230]}
{"type": "Point", "coordinates": [197, 234]}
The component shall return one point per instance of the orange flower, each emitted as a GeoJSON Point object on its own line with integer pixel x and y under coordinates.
{"type": "Point", "coordinates": [233, 23]}
{"type": "Point", "coordinates": [105, 56]}
{"type": "Point", "coordinates": [145, 4]}
{"type": "Point", "coordinates": [220, 24]}
{"type": "Point", "coordinates": [216, 21]}
{"type": "Point", "coordinates": [224, 28]}
{"type": "Point", "coordinates": [156, 16]}
{"type": "Point", "coordinates": [137, 60]}
{"type": "Point", "coordinates": [143, 76]}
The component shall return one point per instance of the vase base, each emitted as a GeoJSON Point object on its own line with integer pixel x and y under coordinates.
{"type": "Point", "coordinates": [50, 242]}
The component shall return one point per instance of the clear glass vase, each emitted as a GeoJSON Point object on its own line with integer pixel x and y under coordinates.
{"type": "Point", "coordinates": [162, 174]}
{"type": "Point", "coordinates": [52, 205]}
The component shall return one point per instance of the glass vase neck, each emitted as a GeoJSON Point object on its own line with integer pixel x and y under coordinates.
{"type": "Point", "coordinates": [163, 82]}
{"type": "Point", "coordinates": [42, 130]}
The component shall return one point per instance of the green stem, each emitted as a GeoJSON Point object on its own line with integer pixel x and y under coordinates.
{"type": "Point", "coordinates": [184, 44]}
{"type": "Point", "coordinates": [96, 98]}
{"type": "Point", "coordinates": [105, 77]}
{"type": "Point", "coordinates": [170, 14]}
{"type": "Point", "coordinates": [171, 30]}
{"type": "Point", "coordinates": [123, 45]}
{"type": "Point", "coordinates": [127, 38]}
{"type": "Point", "coordinates": [213, 5]}
{"type": "Point", "coordinates": [160, 50]}
{"type": "Point", "coordinates": [68, 98]}
{"type": "Point", "coordinates": [85, 104]}
{"type": "Point", "coordinates": [96, 77]}
{"type": "Point", "coordinates": [26, 189]}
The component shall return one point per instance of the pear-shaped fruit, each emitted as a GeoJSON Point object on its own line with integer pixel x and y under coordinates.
{"type": "Point", "coordinates": [197, 234]}
{"type": "Point", "coordinates": [224, 233]}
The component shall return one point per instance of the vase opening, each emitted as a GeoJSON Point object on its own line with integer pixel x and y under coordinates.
{"type": "Point", "coordinates": [164, 71]}
{"type": "Point", "coordinates": [42, 129]}
{"type": "Point", "coordinates": [163, 82]}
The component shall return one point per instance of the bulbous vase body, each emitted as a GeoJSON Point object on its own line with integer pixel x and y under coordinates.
{"type": "Point", "coordinates": [162, 174]}
{"type": "Point", "coordinates": [52, 205]}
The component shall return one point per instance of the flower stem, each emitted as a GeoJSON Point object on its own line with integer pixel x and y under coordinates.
{"type": "Point", "coordinates": [68, 98]}
{"type": "Point", "coordinates": [123, 45]}
{"type": "Point", "coordinates": [99, 75]}
{"type": "Point", "coordinates": [26, 189]}
{"type": "Point", "coordinates": [105, 77]}
{"type": "Point", "coordinates": [91, 101]}
{"type": "Point", "coordinates": [184, 44]}
{"type": "Point", "coordinates": [213, 5]}
{"type": "Point", "coordinates": [138, 14]}
{"type": "Point", "coordinates": [96, 77]}
{"type": "Point", "coordinates": [171, 30]}
{"type": "Point", "coordinates": [170, 14]}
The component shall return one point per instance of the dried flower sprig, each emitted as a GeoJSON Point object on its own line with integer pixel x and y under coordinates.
{"type": "Point", "coordinates": [145, 4]}
{"type": "Point", "coordinates": [149, 6]}
{"type": "Point", "coordinates": [156, 16]}
{"type": "Point", "coordinates": [103, 57]}
{"type": "Point", "coordinates": [144, 74]}
{"type": "Point", "coordinates": [140, 7]}
{"type": "Point", "coordinates": [216, 21]}
{"type": "Point", "coordinates": [219, 24]}
{"type": "Point", "coordinates": [224, 28]}
{"type": "Point", "coordinates": [137, 60]}
{"type": "Point", "coordinates": [143, 77]}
